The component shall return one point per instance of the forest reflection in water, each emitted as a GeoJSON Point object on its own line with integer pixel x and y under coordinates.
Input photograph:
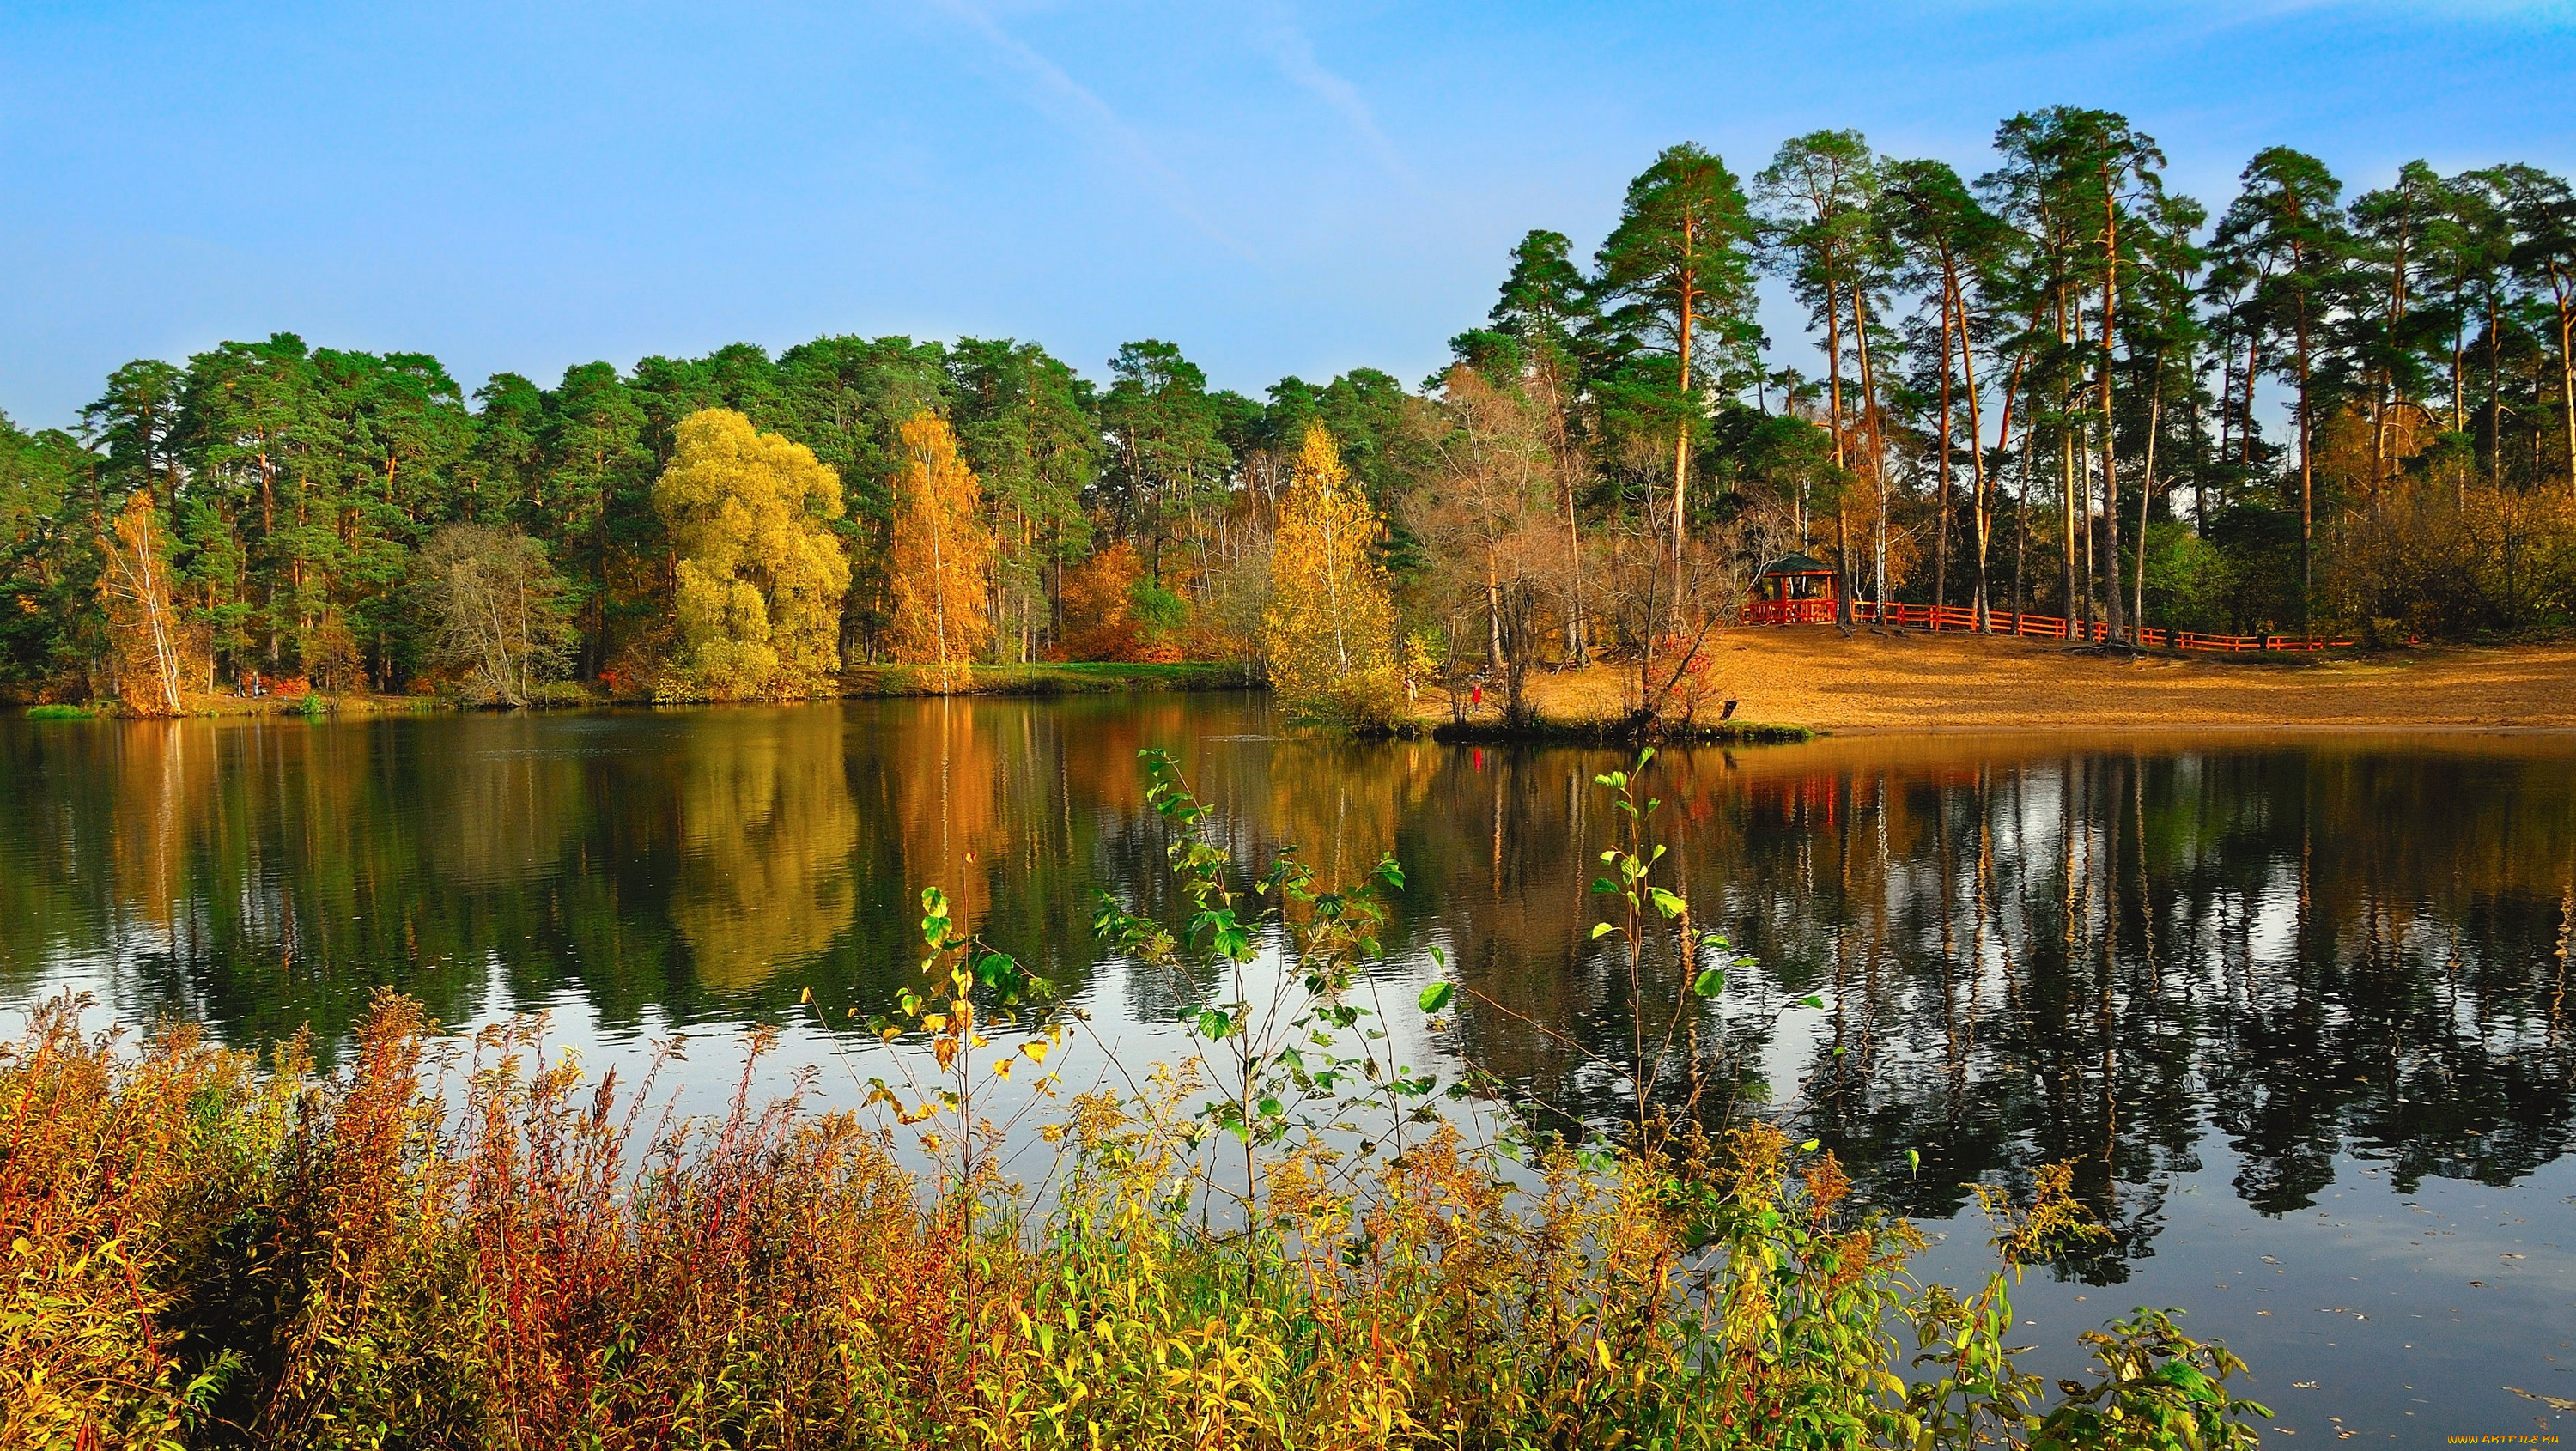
{"type": "Point", "coordinates": [2028, 949]}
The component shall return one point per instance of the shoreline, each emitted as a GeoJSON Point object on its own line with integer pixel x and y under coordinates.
{"type": "Point", "coordinates": [1043, 680]}
{"type": "Point", "coordinates": [1798, 683]}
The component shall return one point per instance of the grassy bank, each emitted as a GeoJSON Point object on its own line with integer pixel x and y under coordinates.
{"type": "Point", "coordinates": [489, 1250]}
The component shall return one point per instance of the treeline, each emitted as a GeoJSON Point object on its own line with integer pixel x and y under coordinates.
{"type": "Point", "coordinates": [2057, 386]}
{"type": "Point", "coordinates": [318, 513]}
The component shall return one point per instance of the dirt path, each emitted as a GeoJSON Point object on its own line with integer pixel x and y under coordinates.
{"type": "Point", "coordinates": [1911, 681]}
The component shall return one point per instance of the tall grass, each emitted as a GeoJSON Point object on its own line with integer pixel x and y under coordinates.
{"type": "Point", "coordinates": [470, 1245]}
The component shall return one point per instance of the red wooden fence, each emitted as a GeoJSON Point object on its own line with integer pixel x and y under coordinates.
{"type": "Point", "coordinates": [1959, 619]}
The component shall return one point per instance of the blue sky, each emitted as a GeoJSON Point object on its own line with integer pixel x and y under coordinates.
{"type": "Point", "coordinates": [1278, 188]}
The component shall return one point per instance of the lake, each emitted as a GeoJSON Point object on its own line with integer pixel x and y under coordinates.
{"type": "Point", "coordinates": [2297, 1004]}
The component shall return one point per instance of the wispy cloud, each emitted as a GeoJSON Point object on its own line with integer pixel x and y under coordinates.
{"type": "Point", "coordinates": [1296, 56]}
{"type": "Point", "coordinates": [1082, 110]}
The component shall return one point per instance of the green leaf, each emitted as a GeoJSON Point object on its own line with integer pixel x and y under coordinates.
{"type": "Point", "coordinates": [1603, 929]}
{"type": "Point", "coordinates": [1435, 997]}
{"type": "Point", "coordinates": [1811, 1001]}
{"type": "Point", "coordinates": [1213, 1024]}
{"type": "Point", "coordinates": [1709, 983]}
{"type": "Point", "coordinates": [1809, 1146]}
{"type": "Point", "coordinates": [1667, 903]}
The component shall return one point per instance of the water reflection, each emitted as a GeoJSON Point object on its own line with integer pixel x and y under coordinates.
{"type": "Point", "coordinates": [2028, 950]}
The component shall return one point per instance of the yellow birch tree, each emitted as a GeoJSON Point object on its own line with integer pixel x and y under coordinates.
{"type": "Point", "coordinates": [143, 627]}
{"type": "Point", "coordinates": [761, 576]}
{"type": "Point", "coordinates": [942, 558]}
{"type": "Point", "coordinates": [1330, 628]}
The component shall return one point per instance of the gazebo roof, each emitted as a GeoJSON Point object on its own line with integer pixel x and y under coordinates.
{"type": "Point", "coordinates": [1797, 564]}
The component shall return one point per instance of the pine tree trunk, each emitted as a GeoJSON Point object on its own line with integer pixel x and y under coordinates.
{"type": "Point", "coordinates": [2146, 494]}
{"type": "Point", "coordinates": [1941, 520]}
{"type": "Point", "coordinates": [2114, 610]}
{"type": "Point", "coordinates": [1877, 445]}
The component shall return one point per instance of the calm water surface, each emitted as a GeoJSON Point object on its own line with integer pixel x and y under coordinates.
{"type": "Point", "coordinates": [2297, 1005]}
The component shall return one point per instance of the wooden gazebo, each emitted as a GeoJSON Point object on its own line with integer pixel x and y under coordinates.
{"type": "Point", "coordinates": [1795, 589]}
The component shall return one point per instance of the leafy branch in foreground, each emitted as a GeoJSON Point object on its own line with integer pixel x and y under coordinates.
{"type": "Point", "coordinates": [1267, 968]}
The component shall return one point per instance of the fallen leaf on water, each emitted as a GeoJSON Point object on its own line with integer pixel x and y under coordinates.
{"type": "Point", "coordinates": [2555, 1403]}
{"type": "Point", "coordinates": [2303, 1385]}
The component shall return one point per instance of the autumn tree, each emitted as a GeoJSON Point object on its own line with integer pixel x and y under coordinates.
{"type": "Point", "coordinates": [1100, 615]}
{"type": "Point", "coordinates": [494, 609]}
{"type": "Point", "coordinates": [144, 634]}
{"type": "Point", "coordinates": [1488, 516]}
{"type": "Point", "coordinates": [760, 574]}
{"type": "Point", "coordinates": [942, 559]}
{"type": "Point", "coordinates": [1330, 629]}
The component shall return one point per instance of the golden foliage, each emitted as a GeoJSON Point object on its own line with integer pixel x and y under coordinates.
{"type": "Point", "coordinates": [761, 575]}
{"type": "Point", "coordinates": [942, 557]}
{"type": "Point", "coordinates": [144, 635]}
{"type": "Point", "coordinates": [1099, 610]}
{"type": "Point", "coordinates": [1330, 628]}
